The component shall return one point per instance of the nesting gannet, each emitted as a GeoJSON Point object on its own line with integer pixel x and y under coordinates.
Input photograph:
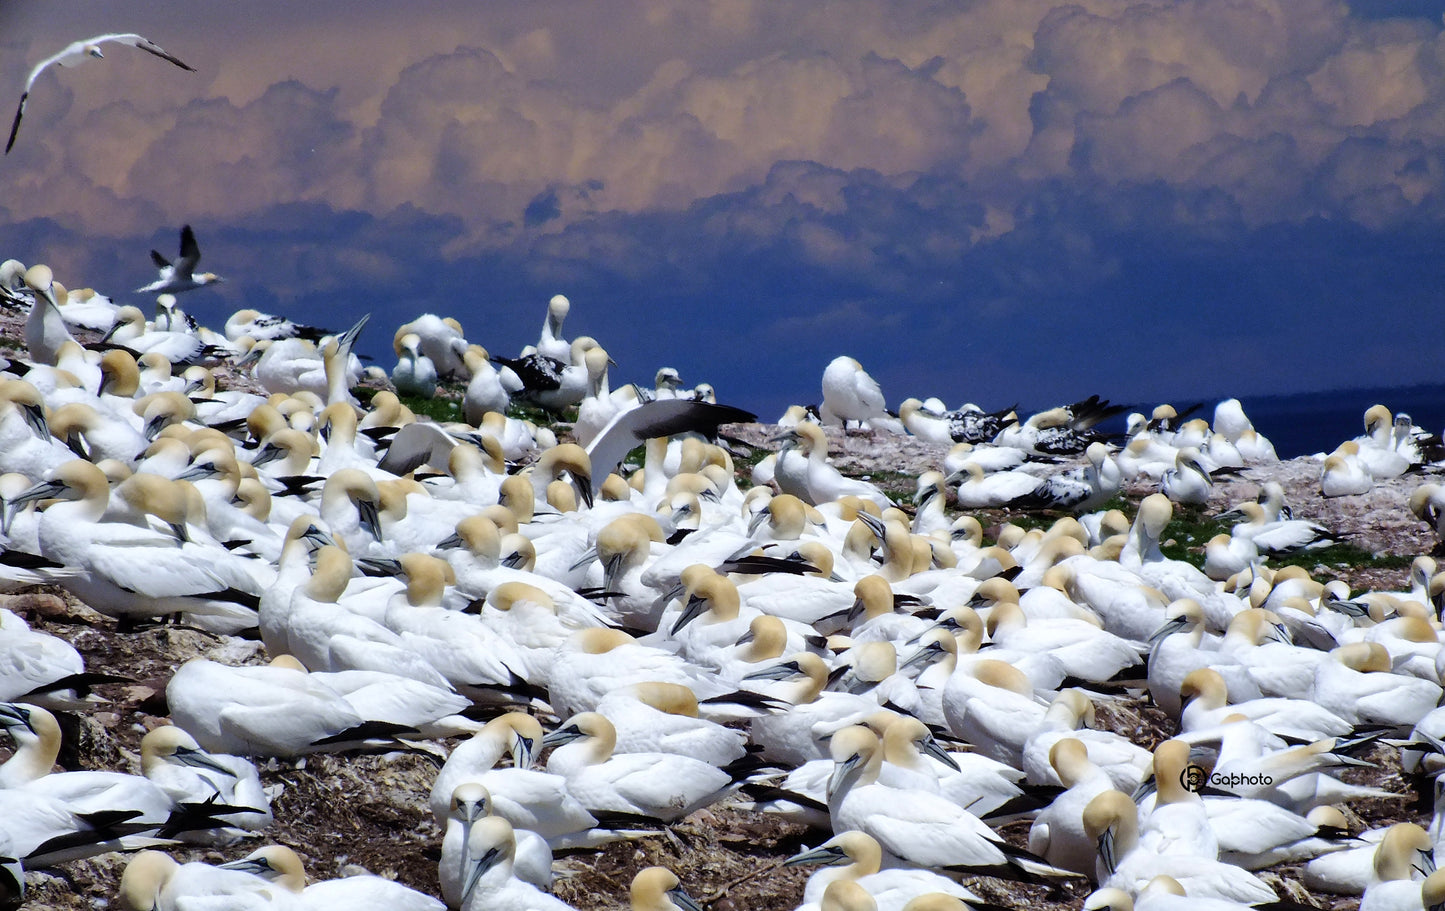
{"type": "Point", "coordinates": [42, 669]}
{"type": "Point", "coordinates": [663, 786]}
{"type": "Point", "coordinates": [912, 825]}
{"type": "Point", "coordinates": [45, 330]}
{"type": "Point", "coordinates": [1406, 894]}
{"type": "Point", "coordinates": [1188, 481]}
{"type": "Point", "coordinates": [489, 880]}
{"type": "Point", "coordinates": [442, 342]}
{"type": "Point", "coordinates": [1427, 502]}
{"type": "Point", "coordinates": [366, 892]}
{"type": "Point", "coordinates": [856, 857]}
{"type": "Point", "coordinates": [1057, 833]}
{"type": "Point", "coordinates": [414, 373]}
{"type": "Point", "coordinates": [1204, 699]}
{"type": "Point", "coordinates": [176, 763]}
{"type": "Point", "coordinates": [266, 711]}
{"type": "Point", "coordinates": [1126, 862]}
{"type": "Point", "coordinates": [1282, 536]}
{"type": "Point", "coordinates": [551, 343]}
{"type": "Point", "coordinates": [100, 799]}
{"type": "Point", "coordinates": [126, 571]}
{"type": "Point", "coordinates": [77, 53]}
{"type": "Point", "coordinates": [488, 388]}
{"type": "Point", "coordinates": [658, 889]}
{"type": "Point", "coordinates": [153, 881]}
{"type": "Point", "coordinates": [1404, 850]}
{"type": "Point", "coordinates": [470, 802]}
{"type": "Point", "coordinates": [180, 275]}
{"type": "Point", "coordinates": [803, 470]}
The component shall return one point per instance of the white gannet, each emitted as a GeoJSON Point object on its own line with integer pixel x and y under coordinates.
{"type": "Point", "coordinates": [366, 892]}
{"type": "Point", "coordinates": [1188, 481]}
{"type": "Point", "coordinates": [489, 880]}
{"type": "Point", "coordinates": [1125, 862]}
{"type": "Point", "coordinates": [1057, 834]}
{"type": "Point", "coordinates": [551, 343]}
{"type": "Point", "coordinates": [45, 330]}
{"type": "Point", "coordinates": [129, 571]}
{"type": "Point", "coordinates": [77, 53]}
{"type": "Point", "coordinates": [856, 857]}
{"type": "Point", "coordinates": [488, 389]}
{"type": "Point", "coordinates": [442, 342]}
{"type": "Point", "coordinates": [1344, 473]}
{"type": "Point", "coordinates": [176, 763]}
{"type": "Point", "coordinates": [414, 374]}
{"type": "Point", "coordinates": [850, 394]}
{"type": "Point", "coordinates": [658, 889]}
{"type": "Point", "coordinates": [266, 711]}
{"type": "Point", "coordinates": [912, 825]}
{"type": "Point", "coordinates": [180, 275]}
{"type": "Point", "coordinates": [663, 786]}
{"type": "Point", "coordinates": [803, 470]}
{"type": "Point", "coordinates": [471, 802]}
{"type": "Point", "coordinates": [153, 881]}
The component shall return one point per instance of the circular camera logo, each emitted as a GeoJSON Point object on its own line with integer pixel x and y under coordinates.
{"type": "Point", "coordinates": [1193, 778]}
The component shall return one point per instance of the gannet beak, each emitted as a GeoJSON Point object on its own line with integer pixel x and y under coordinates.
{"type": "Point", "coordinates": [35, 420]}
{"type": "Point", "coordinates": [827, 856]}
{"type": "Point", "coordinates": [683, 900]}
{"type": "Point", "coordinates": [42, 491]}
{"type": "Point", "coordinates": [369, 519]}
{"type": "Point", "coordinates": [923, 657]}
{"type": "Point", "coordinates": [776, 672]}
{"type": "Point", "coordinates": [1168, 629]}
{"type": "Point", "coordinates": [484, 863]}
{"type": "Point", "coordinates": [562, 736]}
{"type": "Point", "coordinates": [843, 772]}
{"type": "Point", "coordinates": [201, 760]}
{"type": "Point", "coordinates": [690, 612]}
{"type": "Point", "coordinates": [931, 747]}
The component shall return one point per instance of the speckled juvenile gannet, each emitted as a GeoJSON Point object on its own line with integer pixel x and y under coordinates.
{"type": "Point", "coordinates": [78, 53]}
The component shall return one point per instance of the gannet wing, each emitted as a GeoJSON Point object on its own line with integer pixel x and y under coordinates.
{"type": "Point", "coordinates": [664, 417]}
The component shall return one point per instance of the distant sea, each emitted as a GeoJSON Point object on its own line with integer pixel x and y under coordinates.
{"type": "Point", "coordinates": [1311, 422]}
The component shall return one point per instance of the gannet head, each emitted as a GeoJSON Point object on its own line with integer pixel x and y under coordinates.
{"type": "Point", "coordinates": [146, 874]}
{"type": "Point", "coordinates": [658, 889]}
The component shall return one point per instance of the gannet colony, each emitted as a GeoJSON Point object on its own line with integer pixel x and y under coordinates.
{"type": "Point", "coordinates": [268, 646]}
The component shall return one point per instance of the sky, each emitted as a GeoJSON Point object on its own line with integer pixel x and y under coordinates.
{"type": "Point", "coordinates": [990, 201]}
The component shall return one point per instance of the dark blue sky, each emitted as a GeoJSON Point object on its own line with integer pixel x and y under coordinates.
{"type": "Point", "coordinates": [996, 202]}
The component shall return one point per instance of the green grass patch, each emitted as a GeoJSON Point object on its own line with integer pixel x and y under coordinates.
{"type": "Point", "coordinates": [438, 408]}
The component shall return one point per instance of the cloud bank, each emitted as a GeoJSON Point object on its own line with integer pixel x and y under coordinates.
{"type": "Point", "coordinates": [990, 201]}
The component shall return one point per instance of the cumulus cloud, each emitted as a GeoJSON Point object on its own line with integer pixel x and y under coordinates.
{"type": "Point", "coordinates": [935, 173]}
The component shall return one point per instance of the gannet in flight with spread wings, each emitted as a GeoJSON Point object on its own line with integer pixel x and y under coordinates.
{"type": "Point", "coordinates": [78, 53]}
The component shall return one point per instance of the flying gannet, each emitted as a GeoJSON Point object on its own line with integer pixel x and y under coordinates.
{"type": "Point", "coordinates": [76, 54]}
